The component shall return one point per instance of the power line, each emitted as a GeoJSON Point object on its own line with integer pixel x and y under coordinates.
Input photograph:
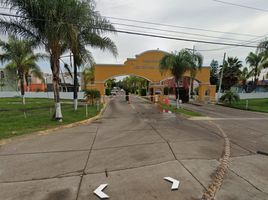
{"type": "Point", "coordinates": [20, 16]}
{"type": "Point", "coordinates": [174, 26]}
{"type": "Point", "coordinates": [183, 39]}
{"type": "Point", "coordinates": [167, 25]}
{"type": "Point", "coordinates": [226, 48]}
{"type": "Point", "coordinates": [169, 36]}
{"type": "Point", "coordinates": [240, 5]}
{"type": "Point", "coordinates": [257, 39]}
{"type": "Point", "coordinates": [180, 32]}
{"type": "Point", "coordinates": [149, 35]}
{"type": "Point", "coordinates": [182, 27]}
{"type": "Point", "coordinates": [159, 34]}
{"type": "Point", "coordinates": [208, 36]}
{"type": "Point", "coordinates": [133, 32]}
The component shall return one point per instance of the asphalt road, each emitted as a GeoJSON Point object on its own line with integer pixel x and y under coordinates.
{"type": "Point", "coordinates": [132, 148]}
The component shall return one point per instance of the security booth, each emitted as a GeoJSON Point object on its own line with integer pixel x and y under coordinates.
{"type": "Point", "coordinates": [156, 91]}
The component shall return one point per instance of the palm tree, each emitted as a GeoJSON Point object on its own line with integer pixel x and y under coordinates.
{"type": "Point", "coordinates": [256, 63]}
{"type": "Point", "coordinates": [111, 83]}
{"type": "Point", "coordinates": [177, 63]}
{"type": "Point", "coordinates": [263, 49]}
{"type": "Point", "coordinates": [232, 72]}
{"type": "Point", "coordinates": [86, 30]}
{"type": "Point", "coordinates": [20, 57]}
{"type": "Point", "coordinates": [229, 97]}
{"type": "Point", "coordinates": [214, 65]}
{"type": "Point", "coordinates": [46, 21]}
{"type": "Point", "coordinates": [245, 75]}
{"type": "Point", "coordinates": [88, 75]}
{"type": "Point", "coordinates": [196, 65]}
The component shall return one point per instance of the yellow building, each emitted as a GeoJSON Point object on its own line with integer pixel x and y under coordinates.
{"type": "Point", "coordinates": [146, 65]}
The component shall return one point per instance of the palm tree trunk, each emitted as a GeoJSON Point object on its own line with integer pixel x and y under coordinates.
{"type": "Point", "coordinates": [75, 84]}
{"type": "Point", "coordinates": [192, 88]}
{"type": "Point", "coordinates": [55, 67]}
{"type": "Point", "coordinates": [178, 95]}
{"type": "Point", "coordinates": [27, 83]}
{"type": "Point", "coordinates": [193, 75]}
{"type": "Point", "coordinates": [22, 86]}
{"type": "Point", "coordinates": [255, 80]}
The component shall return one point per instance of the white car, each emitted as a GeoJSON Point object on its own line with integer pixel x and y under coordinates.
{"type": "Point", "coordinates": [113, 92]}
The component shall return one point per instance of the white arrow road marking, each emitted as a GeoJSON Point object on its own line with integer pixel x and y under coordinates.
{"type": "Point", "coordinates": [175, 183]}
{"type": "Point", "coordinates": [100, 193]}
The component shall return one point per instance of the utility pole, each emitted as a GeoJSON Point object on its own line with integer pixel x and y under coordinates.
{"type": "Point", "coordinates": [191, 77]}
{"type": "Point", "coordinates": [219, 91]}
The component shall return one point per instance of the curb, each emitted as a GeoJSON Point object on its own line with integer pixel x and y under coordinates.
{"type": "Point", "coordinates": [51, 130]}
{"type": "Point", "coordinates": [222, 169]}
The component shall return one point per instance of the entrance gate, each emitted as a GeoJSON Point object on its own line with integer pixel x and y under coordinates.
{"type": "Point", "coordinates": [146, 65]}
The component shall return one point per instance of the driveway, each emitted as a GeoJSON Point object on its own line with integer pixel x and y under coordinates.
{"type": "Point", "coordinates": [132, 148]}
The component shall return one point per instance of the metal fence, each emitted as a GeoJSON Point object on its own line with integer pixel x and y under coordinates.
{"type": "Point", "coordinates": [254, 95]}
{"type": "Point", "coordinates": [69, 95]}
{"type": "Point", "coordinates": [49, 95]}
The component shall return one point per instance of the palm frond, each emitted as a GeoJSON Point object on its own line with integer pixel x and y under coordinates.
{"type": "Point", "coordinates": [16, 27]}
{"type": "Point", "coordinates": [36, 71]}
{"type": "Point", "coordinates": [263, 46]}
{"type": "Point", "coordinates": [68, 69]}
{"type": "Point", "coordinates": [11, 66]}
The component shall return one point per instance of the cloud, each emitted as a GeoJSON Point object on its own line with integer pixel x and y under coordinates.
{"type": "Point", "coordinates": [203, 14]}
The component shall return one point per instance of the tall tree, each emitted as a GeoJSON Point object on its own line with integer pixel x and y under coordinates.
{"type": "Point", "coordinates": [88, 75]}
{"type": "Point", "coordinates": [46, 21]}
{"type": "Point", "coordinates": [133, 83]}
{"type": "Point", "coordinates": [86, 29]}
{"type": "Point", "coordinates": [245, 75]}
{"type": "Point", "coordinates": [177, 63]}
{"type": "Point", "coordinates": [263, 49]}
{"type": "Point", "coordinates": [196, 65]}
{"type": "Point", "coordinates": [231, 72]}
{"type": "Point", "coordinates": [111, 83]}
{"type": "Point", "coordinates": [255, 61]}
{"type": "Point", "coordinates": [214, 67]}
{"type": "Point", "coordinates": [20, 57]}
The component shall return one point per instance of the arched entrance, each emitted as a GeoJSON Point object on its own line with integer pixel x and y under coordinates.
{"type": "Point", "coordinates": [127, 84]}
{"type": "Point", "coordinates": [146, 65]}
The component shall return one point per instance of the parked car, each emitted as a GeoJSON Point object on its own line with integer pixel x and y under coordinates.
{"type": "Point", "coordinates": [113, 92]}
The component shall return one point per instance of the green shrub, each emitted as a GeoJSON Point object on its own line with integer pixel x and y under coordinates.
{"type": "Point", "coordinates": [143, 92]}
{"type": "Point", "coordinates": [229, 97]}
{"type": "Point", "coordinates": [92, 96]}
{"type": "Point", "coordinates": [108, 92]}
{"type": "Point", "coordinates": [166, 91]}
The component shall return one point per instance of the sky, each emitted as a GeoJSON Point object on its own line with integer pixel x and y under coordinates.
{"type": "Point", "coordinates": [235, 24]}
